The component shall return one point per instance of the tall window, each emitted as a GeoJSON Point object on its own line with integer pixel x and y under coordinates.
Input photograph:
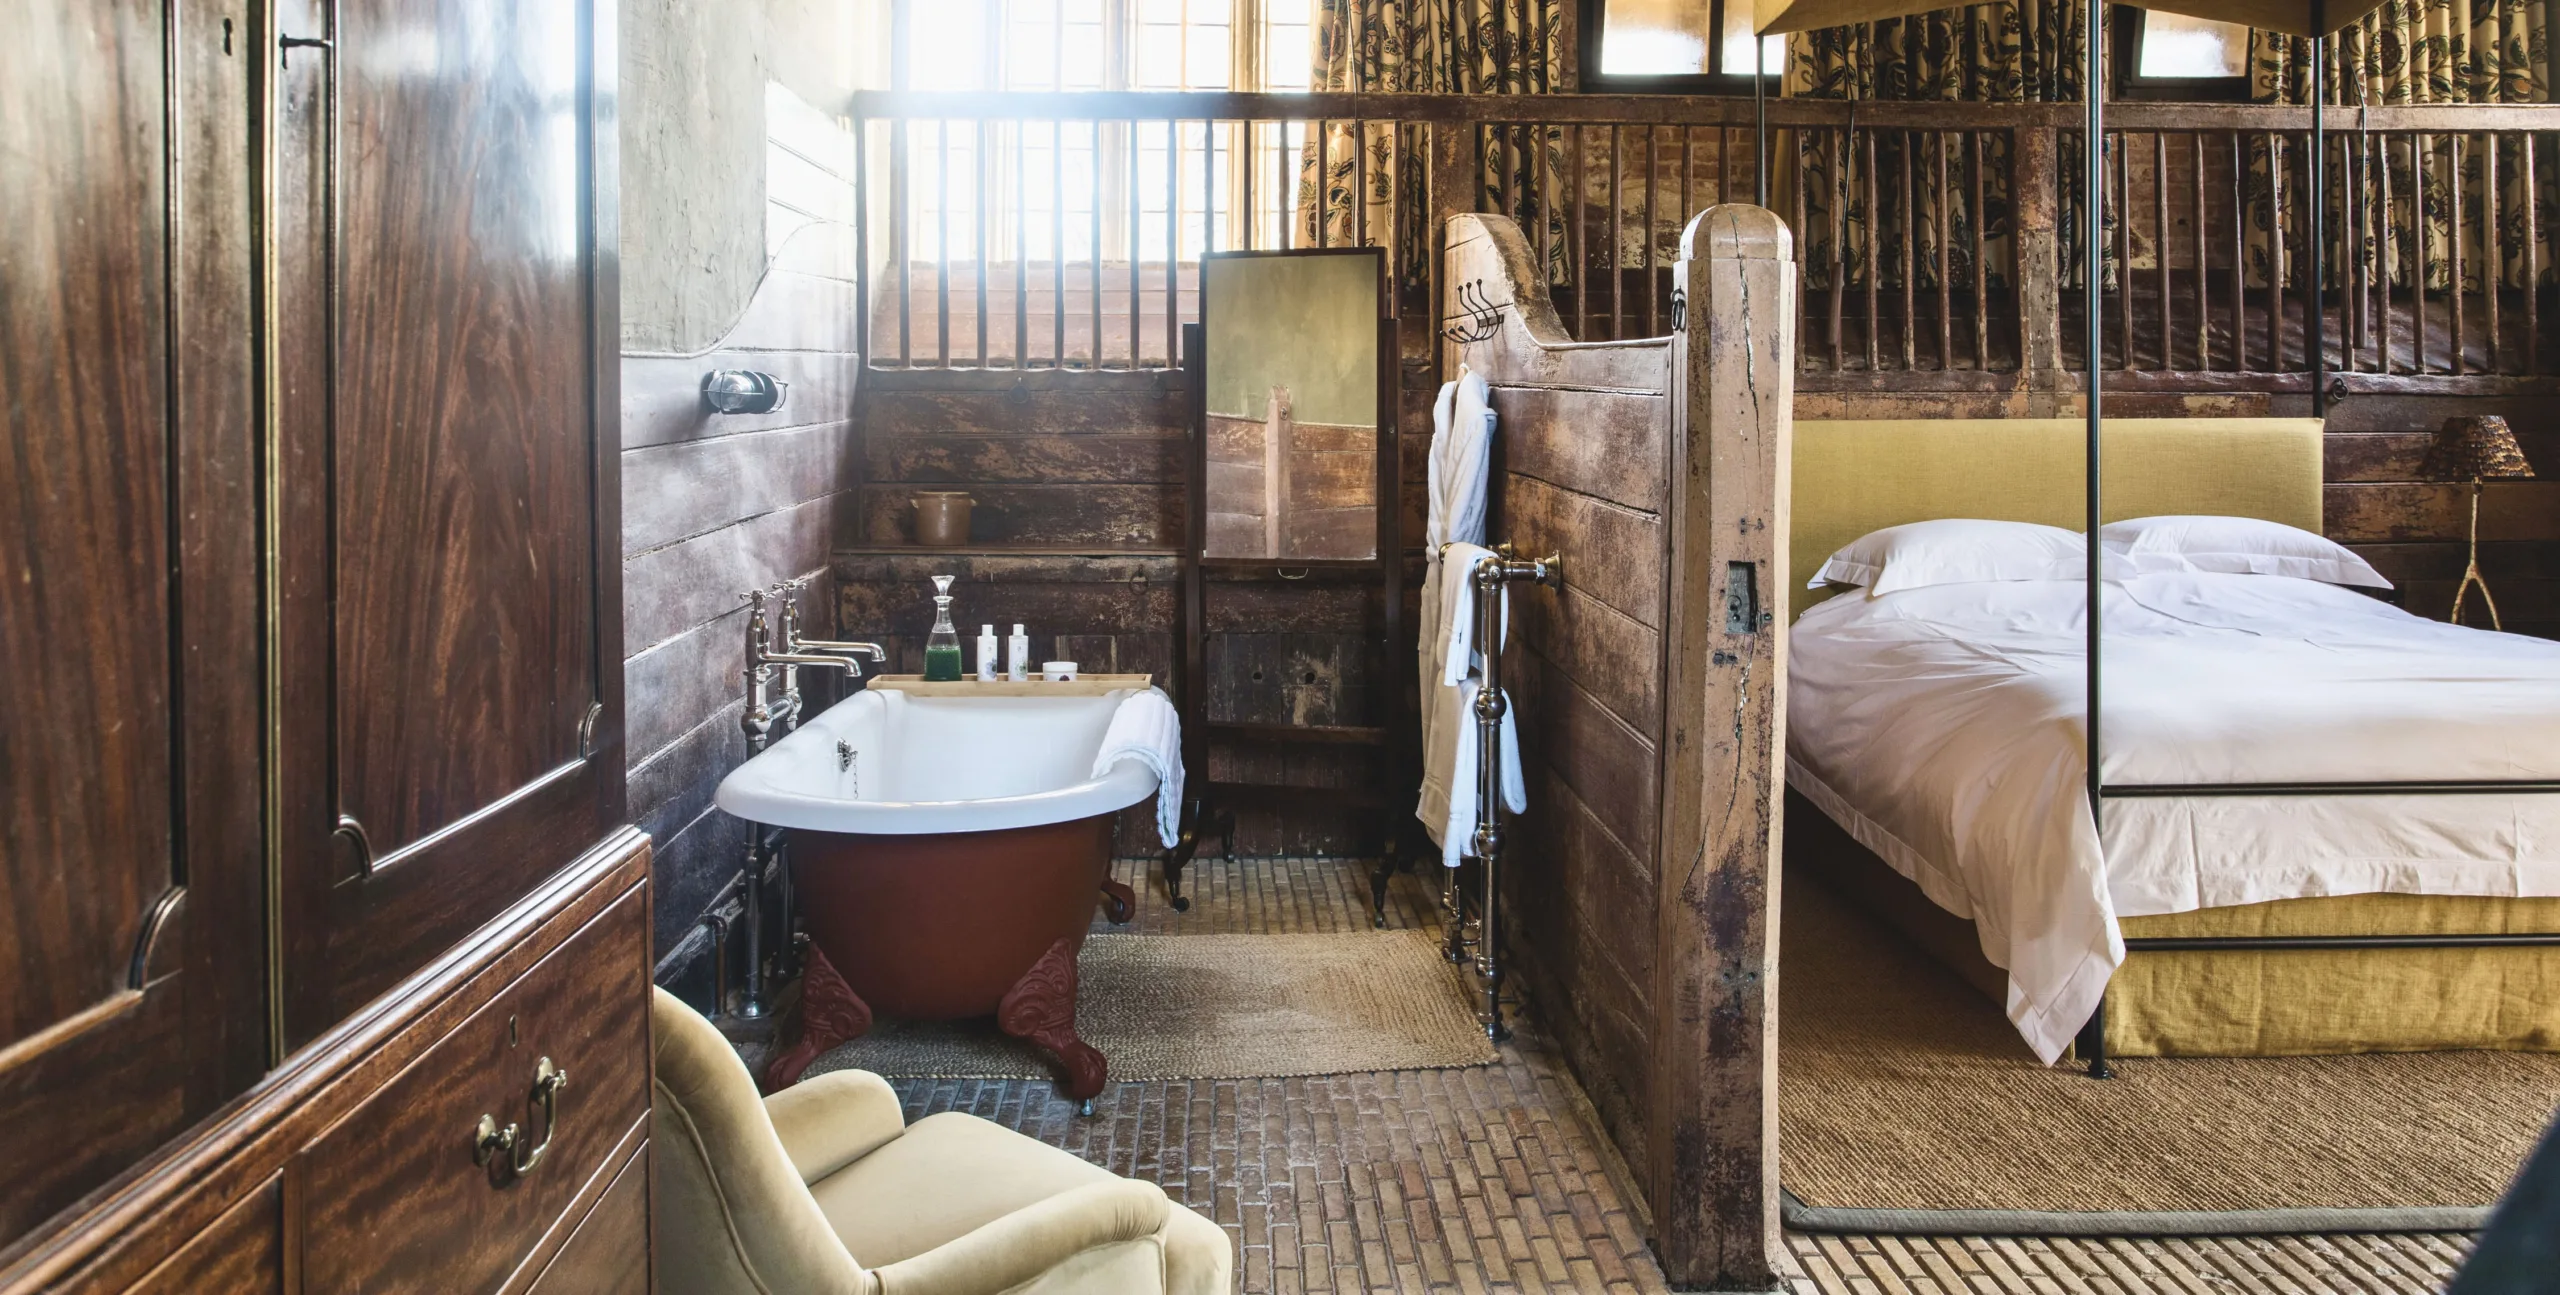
{"type": "Point", "coordinates": [1079, 192]}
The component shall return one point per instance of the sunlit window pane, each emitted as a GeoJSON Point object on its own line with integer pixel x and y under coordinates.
{"type": "Point", "coordinates": [1655, 37]}
{"type": "Point", "coordinates": [2174, 45]}
{"type": "Point", "coordinates": [948, 48]}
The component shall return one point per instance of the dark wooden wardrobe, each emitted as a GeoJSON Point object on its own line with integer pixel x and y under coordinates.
{"type": "Point", "coordinates": [312, 837]}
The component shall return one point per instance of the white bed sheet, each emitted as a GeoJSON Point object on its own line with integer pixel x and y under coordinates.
{"type": "Point", "coordinates": [1943, 727]}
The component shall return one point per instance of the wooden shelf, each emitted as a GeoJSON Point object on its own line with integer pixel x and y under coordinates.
{"type": "Point", "coordinates": [1305, 734]}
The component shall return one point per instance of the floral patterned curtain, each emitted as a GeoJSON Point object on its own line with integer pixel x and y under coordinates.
{"type": "Point", "coordinates": [2418, 52]}
{"type": "Point", "coordinates": [1423, 47]}
{"type": "Point", "coordinates": [1988, 53]}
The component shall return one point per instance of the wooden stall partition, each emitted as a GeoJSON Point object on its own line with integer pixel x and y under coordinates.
{"type": "Point", "coordinates": [1582, 455]}
{"type": "Point", "coordinates": [1650, 695]}
{"type": "Point", "coordinates": [1715, 1165]}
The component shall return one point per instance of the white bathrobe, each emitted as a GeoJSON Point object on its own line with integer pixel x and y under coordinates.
{"type": "Point", "coordinates": [1462, 425]}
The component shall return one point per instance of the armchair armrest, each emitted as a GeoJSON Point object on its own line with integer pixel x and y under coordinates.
{"type": "Point", "coordinates": [1030, 1241]}
{"type": "Point", "coordinates": [832, 1120]}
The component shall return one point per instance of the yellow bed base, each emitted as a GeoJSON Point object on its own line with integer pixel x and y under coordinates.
{"type": "Point", "coordinates": [1856, 477]}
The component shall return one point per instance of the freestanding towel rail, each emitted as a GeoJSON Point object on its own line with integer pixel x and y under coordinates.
{"type": "Point", "coordinates": [1491, 577]}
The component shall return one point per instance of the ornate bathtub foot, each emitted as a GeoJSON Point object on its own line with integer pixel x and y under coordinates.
{"type": "Point", "coordinates": [1041, 1007]}
{"type": "Point", "coordinates": [830, 1014]}
{"type": "Point", "coordinates": [1119, 903]}
{"type": "Point", "coordinates": [1175, 860]}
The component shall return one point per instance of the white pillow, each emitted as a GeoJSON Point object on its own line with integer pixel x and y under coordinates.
{"type": "Point", "coordinates": [2240, 546]}
{"type": "Point", "coordinates": [1950, 551]}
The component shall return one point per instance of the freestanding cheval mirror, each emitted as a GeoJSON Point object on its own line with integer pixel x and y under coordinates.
{"type": "Point", "coordinates": [1291, 405]}
{"type": "Point", "coordinates": [1293, 599]}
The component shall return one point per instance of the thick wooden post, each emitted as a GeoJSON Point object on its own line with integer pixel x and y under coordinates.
{"type": "Point", "coordinates": [1715, 1090]}
{"type": "Point", "coordinates": [2037, 244]}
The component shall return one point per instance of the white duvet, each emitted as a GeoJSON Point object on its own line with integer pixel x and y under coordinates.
{"type": "Point", "coordinates": [1943, 727]}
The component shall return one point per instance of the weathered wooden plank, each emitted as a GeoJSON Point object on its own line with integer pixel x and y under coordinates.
{"type": "Point", "coordinates": [1290, 678]}
{"type": "Point", "coordinates": [2443, 560]}
{"type": "Point", "coordinates": [1612, 553]}
{"type": "Point", "coordinates": [2378, 513]}
{"type": "Point", "coordinates": [905, 607]}
{"type": "Point", "coordinates": [1151, 459]}
{"type": "Point", "coordinates": [1053, 410]}
{"type": "Point", "coordinates": [1614, 769]}
{"type": "Point", "coordinates": [2395, 455]}
{"type": "Point", "coordinates": [1605, 444]}
{"type": "Point", "coordinates": [669, 590]}
{"type": "Point", "coordinates": [679, 683]}
{"type": "Point", "coordinates": [675, 492]}
{"type": "Point", "coordinates": [673, 786]}
{"type": "Point", "coordinates": [1124, 516]}
{"type": "Point", "coordinates": [1298, 606]}
{"type": "Point", "coordinates": [1714, 1166]}
{"type": "Point", "coordinates": [1611, 654]}
{"type": "Point", "coordinates": [1601, 1015]}
{"type": "Point", "coordinates": [2398, 413]}
{"type": "Point", "coordinates": [662, 394]}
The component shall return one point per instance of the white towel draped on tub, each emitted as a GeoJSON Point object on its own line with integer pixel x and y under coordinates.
{"type": "Point", "coordinates": [1453, 673]}
{"type": "Point", "coordinates": [1148, 730]}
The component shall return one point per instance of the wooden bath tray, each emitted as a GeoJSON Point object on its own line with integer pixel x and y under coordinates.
{"type": "Point", "coordinates": [1088, 685]}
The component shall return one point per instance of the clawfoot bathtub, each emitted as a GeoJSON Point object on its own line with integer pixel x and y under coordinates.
{"type": "Point", "coordinates": [948, 853]}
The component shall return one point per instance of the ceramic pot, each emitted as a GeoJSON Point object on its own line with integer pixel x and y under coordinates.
{"type": "Point", "coordinates": [942, 517]}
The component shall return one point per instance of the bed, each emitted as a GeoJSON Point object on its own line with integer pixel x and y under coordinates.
{"type": "Point", "coordinates": [1940, 730]}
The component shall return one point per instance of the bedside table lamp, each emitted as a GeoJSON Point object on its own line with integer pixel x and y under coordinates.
{"type": "Point", "coordinates": [2474, 448]}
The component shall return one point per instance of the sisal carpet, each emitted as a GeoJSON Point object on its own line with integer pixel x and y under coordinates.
{"type": "Point", "coordinates": [1219, 1007]}
{"type": "Point", "coordinates": [1903, 1089]}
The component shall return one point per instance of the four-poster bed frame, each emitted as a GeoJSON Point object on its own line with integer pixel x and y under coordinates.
{"type": "Point", "coordinates": [2313, 20]}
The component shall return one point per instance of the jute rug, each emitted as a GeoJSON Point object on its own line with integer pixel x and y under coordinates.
{"type": "Point", "coordinates": [1907, 1103]}
{"type": "Point", "coordinates": [1219, 1007]}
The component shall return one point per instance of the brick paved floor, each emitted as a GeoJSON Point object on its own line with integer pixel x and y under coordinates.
{"type": "Point", "coordinates": [1495, 1178]}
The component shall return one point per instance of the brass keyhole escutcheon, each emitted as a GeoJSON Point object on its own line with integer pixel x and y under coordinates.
{"type": "Point", "coordinates": [489, 1139]}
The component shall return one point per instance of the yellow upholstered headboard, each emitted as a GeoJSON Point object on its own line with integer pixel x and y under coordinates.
{"type": "Point", "coordinates": [1856, 477]}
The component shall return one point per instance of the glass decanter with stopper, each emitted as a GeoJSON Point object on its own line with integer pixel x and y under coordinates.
{"type": "Point", "coordinates": [942, 647]}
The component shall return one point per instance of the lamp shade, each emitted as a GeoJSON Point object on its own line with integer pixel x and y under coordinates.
{"type": "Point", "coordinates": [2474, 447]}
{"type": "Point", "coordinates": [2292, 17]}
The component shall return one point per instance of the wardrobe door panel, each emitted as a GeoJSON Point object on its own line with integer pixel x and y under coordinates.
{"type": "Point", "coordinates": [130, 946]}
{"type": "Point", "coordinates": [452, 736]}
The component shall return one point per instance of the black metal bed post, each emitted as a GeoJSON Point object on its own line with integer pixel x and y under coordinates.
{"type": "Point", "coordinates": [2317, 337]}
{"type": "Point", "coordinates": [2093, 170]}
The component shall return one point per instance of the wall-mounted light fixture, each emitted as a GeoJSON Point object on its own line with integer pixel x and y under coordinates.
{"type": "Point", "coordinates": [743, 391]}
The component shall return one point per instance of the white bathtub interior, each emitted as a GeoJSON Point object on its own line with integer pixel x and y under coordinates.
{"type": "Point", "coordinates": [888, 761]}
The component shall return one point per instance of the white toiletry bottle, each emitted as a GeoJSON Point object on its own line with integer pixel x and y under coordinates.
{"type": "Point", "coordinates": [1017, 655]}
{"type": "Point", "coordinates": [986, 654]}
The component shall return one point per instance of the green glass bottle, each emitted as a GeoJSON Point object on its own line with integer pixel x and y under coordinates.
{"type": "Point", "coordinates": [942, 647]}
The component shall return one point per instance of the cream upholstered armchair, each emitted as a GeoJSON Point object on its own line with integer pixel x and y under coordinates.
{"type": "Point", "coordinates": [823, 1189]}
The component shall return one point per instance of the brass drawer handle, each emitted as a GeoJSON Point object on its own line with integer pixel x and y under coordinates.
{"type": "Point", "coordinates": [489, 1139]}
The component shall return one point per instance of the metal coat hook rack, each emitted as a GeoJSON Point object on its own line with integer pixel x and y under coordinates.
{"type": "Point", "coordinates": [1484, 317]}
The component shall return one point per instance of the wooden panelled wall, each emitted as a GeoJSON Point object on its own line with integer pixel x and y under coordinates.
{"type": "Point", "coordinates": [1077, 480]}
{"type": "Point", "coordinates": [716, 504]}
